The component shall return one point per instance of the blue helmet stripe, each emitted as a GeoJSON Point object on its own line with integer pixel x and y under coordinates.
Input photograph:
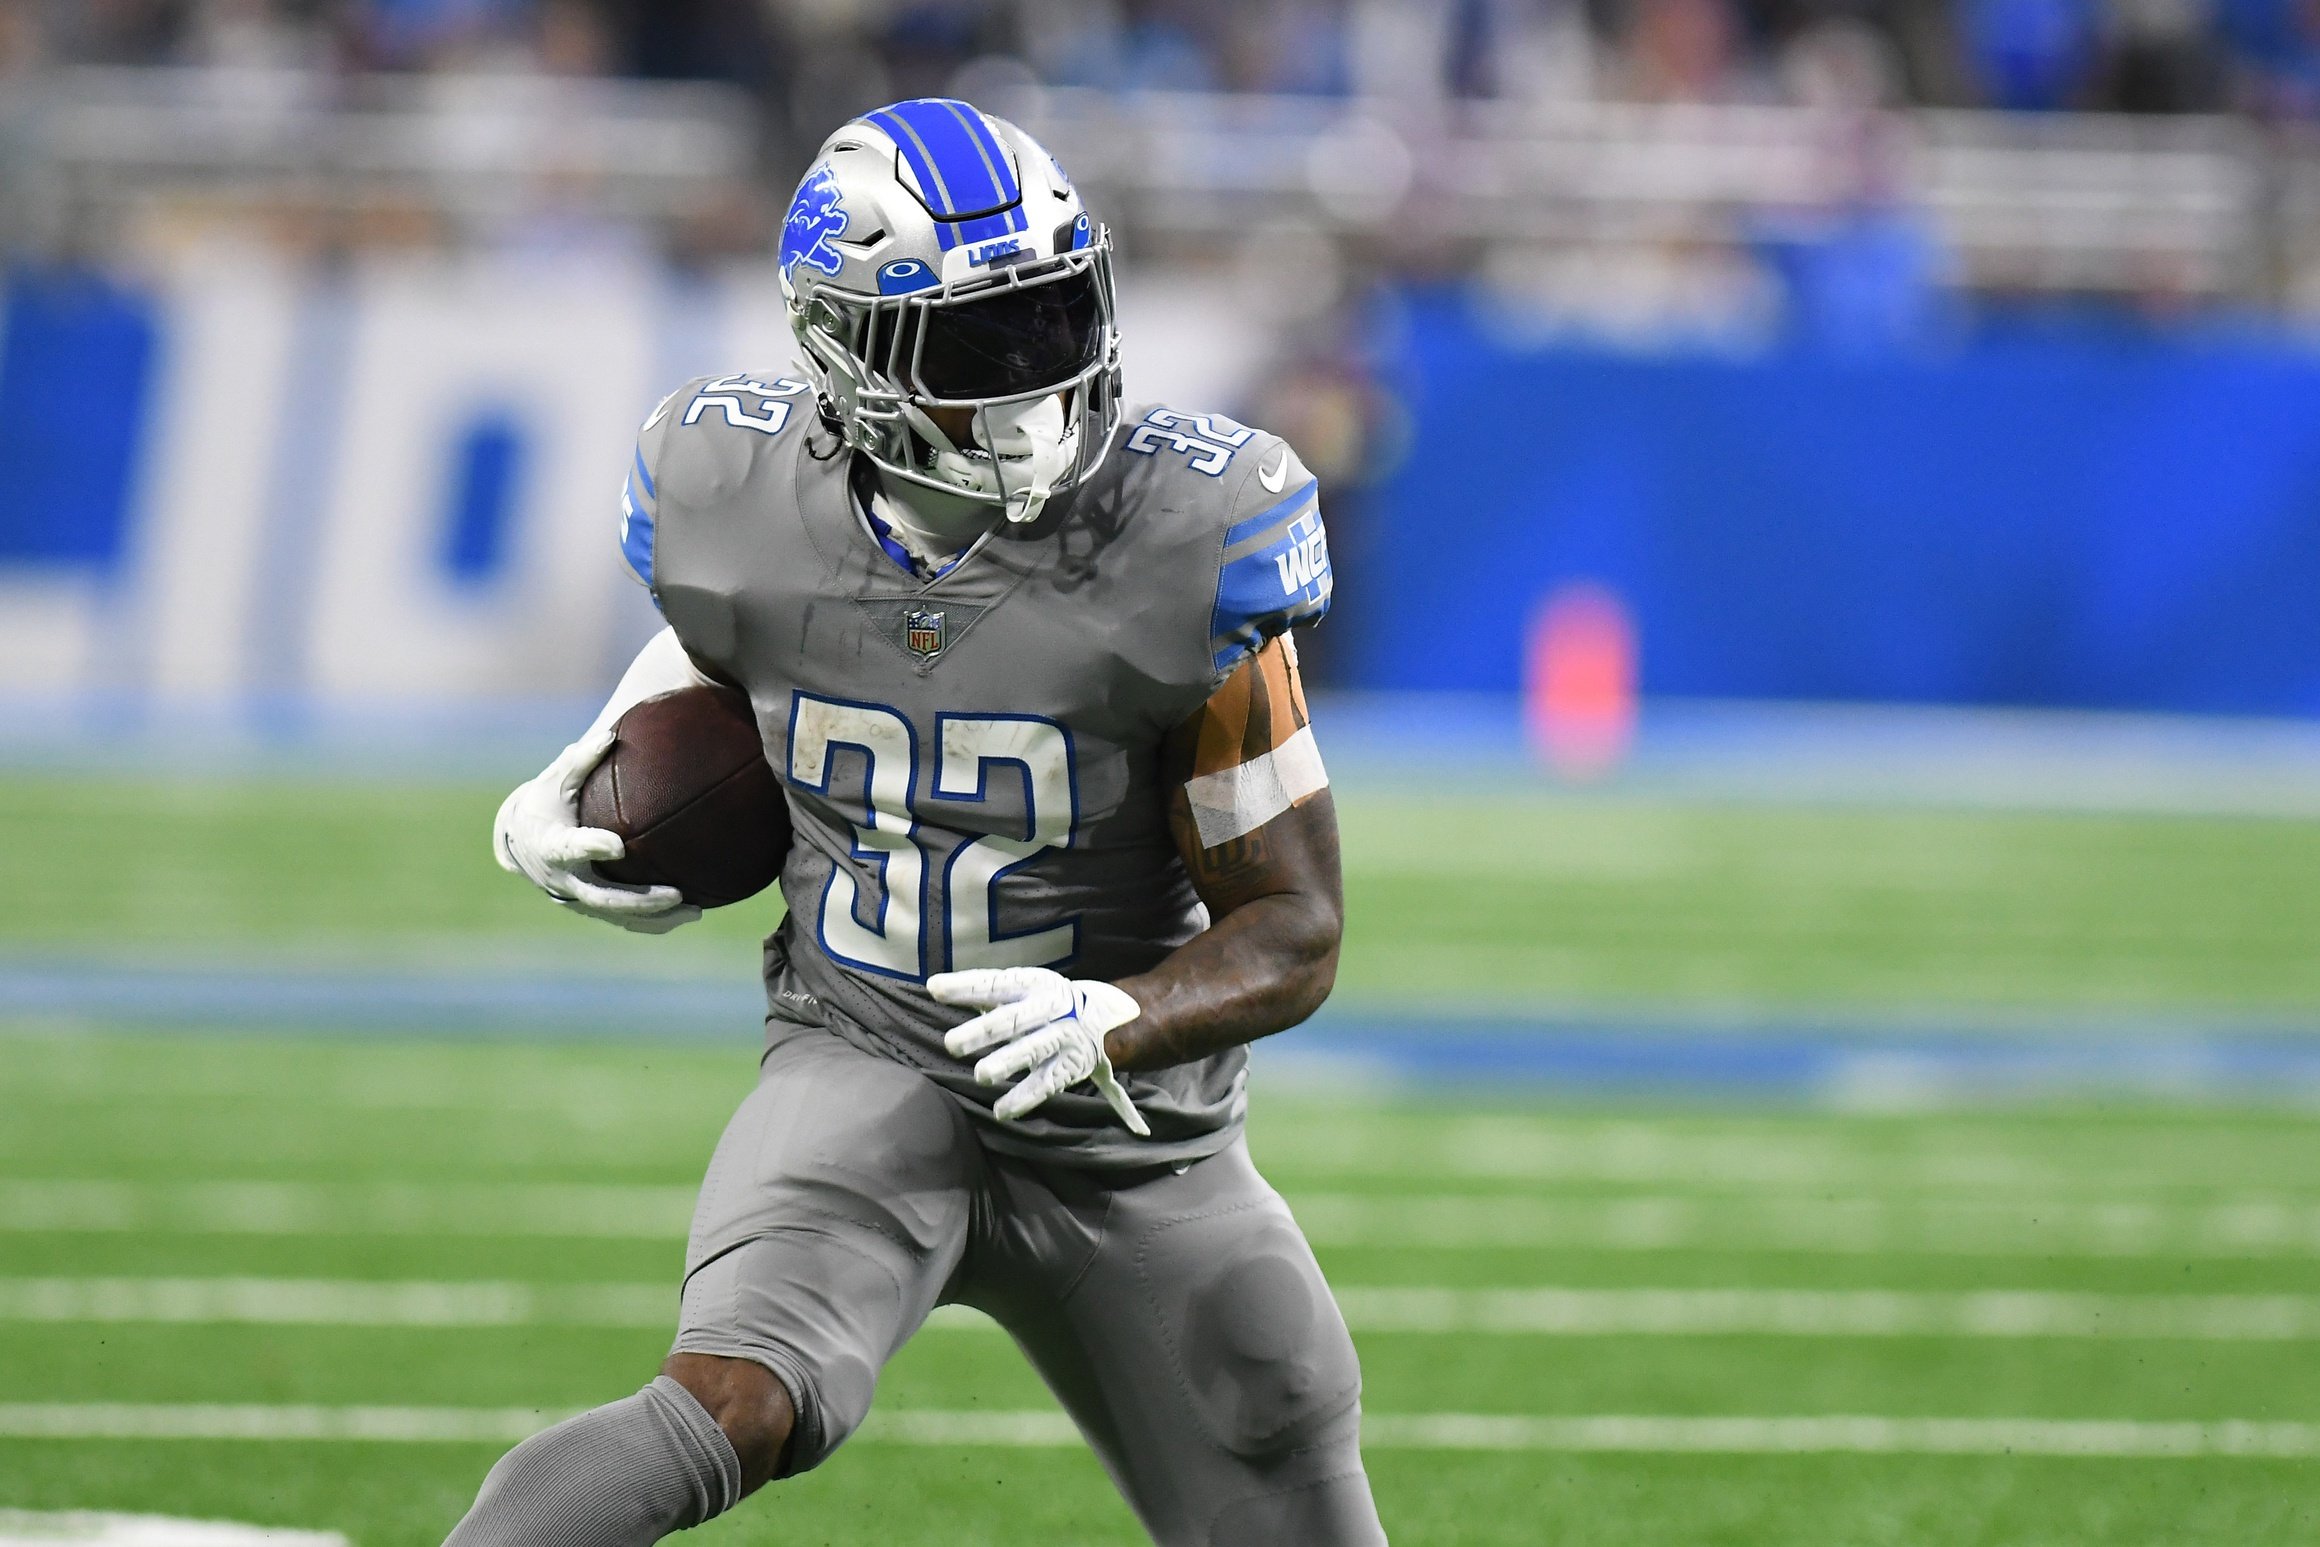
{"type": "Point", "coordinates": [987, 147]}
{"type": "Point", "coordinates": [960, 166]}
{"type": "Point", "coordinates": [989, 228]}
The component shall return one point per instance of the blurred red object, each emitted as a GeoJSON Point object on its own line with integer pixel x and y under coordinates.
{"type": "Point", "coordinates": [1579, 680]}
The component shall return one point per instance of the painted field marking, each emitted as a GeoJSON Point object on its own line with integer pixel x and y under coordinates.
{"type": "Point", "coordinates": [323, 1208]}
{"type": "Point", "coordinates": [316, 1302]}
{"type": "Point", "coordinates": [1959, 1156]}
{"type": "Point", "coordinates": [1851, 1434]}
{"type": "Point", "coordinates": [2234, 1226]}
{"type": "Point", "coordinates": [91, 1528]}
{"type": "Point", "coordinates": [2049, 1437]}
{"type": "Point", "coordinates": [1548, 1312]}
{"type": "Point", "coordinates": [1832, 1313]}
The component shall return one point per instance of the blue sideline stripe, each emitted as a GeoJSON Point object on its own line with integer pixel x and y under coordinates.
{"type": "Point", "coordinates": [1785, 1059]}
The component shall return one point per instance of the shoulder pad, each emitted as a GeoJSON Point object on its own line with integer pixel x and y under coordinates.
{"type": "Point", "coordinates": [702, 435]}
{"type": "Point", "coordinates": [1273, 572]}
{"type": "Point", "coordinates": [1273, 569]}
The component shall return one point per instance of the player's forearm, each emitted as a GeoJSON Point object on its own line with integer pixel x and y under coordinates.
{"type": "Point", "coordinates": [662, 666]}
{"type": "Point", "coordinates": [1262, 970]}
{"type": "Point", "coordinates": [1265, 964]}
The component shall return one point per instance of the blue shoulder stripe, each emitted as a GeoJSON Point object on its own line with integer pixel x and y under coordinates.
{"type": "Point", "coordinates": [644, 477]}
{"type": "Point", "coordinates": [1275, 575]}
{"type": "Point", "coordinates": [636, 535]}
{"type": "Point", "coordinates": [1241, 531]}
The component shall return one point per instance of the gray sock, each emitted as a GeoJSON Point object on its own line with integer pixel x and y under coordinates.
{"type": "Point", "coordinates": [623, 1475]}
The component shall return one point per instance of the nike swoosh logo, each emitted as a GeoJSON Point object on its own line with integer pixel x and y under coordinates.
{"type": "Point", "coordinates": [1276, 475]}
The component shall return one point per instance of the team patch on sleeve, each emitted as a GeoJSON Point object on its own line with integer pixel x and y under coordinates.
{"type": "Point", "coordinates": [1253, 753]}
{"type": "Point", "coordinates": [1275, 573]}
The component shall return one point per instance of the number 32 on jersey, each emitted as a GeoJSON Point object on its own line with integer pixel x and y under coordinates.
{"type": "Point", "coordinates": [974, 758]}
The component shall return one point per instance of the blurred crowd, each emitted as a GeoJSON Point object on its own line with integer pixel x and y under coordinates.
{"type": "Point", "coordinates": [812, 61]}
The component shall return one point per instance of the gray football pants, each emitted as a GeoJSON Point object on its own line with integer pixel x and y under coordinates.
{"type": "Point", "coordinates": [1179, 1317]}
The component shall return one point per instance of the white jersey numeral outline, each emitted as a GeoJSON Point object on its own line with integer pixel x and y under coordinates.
{"type": "Point", "coordinates": [894, 945]}
{"type": "Point", "coordinates": [1211, 443]}
{"type": "Point", "coordinates": [969, 748]}
{"type": "Point", "coordinates": [726, 392]}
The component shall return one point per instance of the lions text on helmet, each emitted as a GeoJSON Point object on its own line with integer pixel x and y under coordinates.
{"type": "Point", "coordinates": [953, 306]}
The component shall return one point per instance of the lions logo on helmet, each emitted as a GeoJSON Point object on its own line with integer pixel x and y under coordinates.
{"type": "Point", "coordinates": [977, 282]}
{"type": "Point", "coordinates": [815, 216]}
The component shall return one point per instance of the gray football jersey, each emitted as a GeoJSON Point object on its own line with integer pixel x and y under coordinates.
{"type": "Point", "coordinates": [973, 764]}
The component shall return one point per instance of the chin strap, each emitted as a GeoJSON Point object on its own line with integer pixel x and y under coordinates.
{"type": "Point", "coordinates": [1031, 440]}
{"type": "Point", "coordinates": [1024, 451]}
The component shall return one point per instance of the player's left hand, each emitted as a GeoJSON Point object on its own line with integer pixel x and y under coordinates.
{"type": "Point", "coordinates": [538, 836]}
{"type": "Point", "coordinates": [1048, 1028]}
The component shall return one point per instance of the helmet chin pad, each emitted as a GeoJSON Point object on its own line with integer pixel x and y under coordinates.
{"type": "Point", "coordinates": [1019, 451]}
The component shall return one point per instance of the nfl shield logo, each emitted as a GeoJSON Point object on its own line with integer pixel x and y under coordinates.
{"type": "Point", "coordinates": [923, 632]}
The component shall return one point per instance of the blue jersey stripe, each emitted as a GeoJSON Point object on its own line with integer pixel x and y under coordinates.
{"type": "Point", "coordinates": [1241, 531]}
{"type": "Point", "coordinates": [1283, 579]}
{"type": "Point", "coordinates": [644, 477]}
{"type": "Point", "coordinates": [636, 537]}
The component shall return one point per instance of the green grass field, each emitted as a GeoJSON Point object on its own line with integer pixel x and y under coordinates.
{"type": "Point", "coordinates": [1488, 898]}
{"type": "Point", "coordinates": [1579, 1324]}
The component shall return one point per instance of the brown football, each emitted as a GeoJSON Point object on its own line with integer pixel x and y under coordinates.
{"type": "Point", "coordinates": [687, 788]}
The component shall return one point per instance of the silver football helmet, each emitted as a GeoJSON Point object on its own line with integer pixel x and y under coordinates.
{"type": "Point", "coordinates": [937, 257]}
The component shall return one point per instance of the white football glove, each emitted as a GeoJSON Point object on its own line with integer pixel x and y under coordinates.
{"type": "Point", "coordinates": [539, 837]}
{"type": "Point", "coordinates": [1047, 1028]}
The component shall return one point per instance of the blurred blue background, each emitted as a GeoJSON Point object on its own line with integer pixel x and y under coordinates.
{"type": "Point", "coordinates": [1879, 353]}
{"type": "Point", "coordinates": [2096, 517]}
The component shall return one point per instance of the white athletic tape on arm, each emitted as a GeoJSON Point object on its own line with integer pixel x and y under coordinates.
{"type": "Point", "coordinates": [1234, 802]}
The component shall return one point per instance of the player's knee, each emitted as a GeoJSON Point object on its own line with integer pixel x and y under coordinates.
{"type": "Point", "coordinates": [749, 1404]}
{"type": "Point", "coordinates": [1280, 1366]}
{"type": "Point", "coordinates": [1332, 1511]}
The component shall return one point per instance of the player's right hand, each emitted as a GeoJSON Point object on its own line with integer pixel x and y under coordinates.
{"type": "Point", "coordinates": [538, 836]}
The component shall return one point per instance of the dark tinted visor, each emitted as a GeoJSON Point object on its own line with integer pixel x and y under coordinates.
{"type": "Point", "coordinates": [1015, 341]}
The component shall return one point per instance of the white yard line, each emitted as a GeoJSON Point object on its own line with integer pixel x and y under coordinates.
{"type": "Point", "coordinates": [1548, 1312]}
{"type": "Point", "coordinates": [251, 1421]}
{"type": "Point", "coordinates": [1843, 1433]}
{"type": "Point", "coordinates": [1855, 1313]}
{"type": "Point", "coordinates": [1380, 1431]}
{"type": "Point", "coordinates": [2237, 1226]}
{"type": "Point", "coordinates": [337, 1302]}
{"type": "Point", "coordinates": [1960, 1156]}
{"type": "Point", "coordinates": [89, 1528]}
{"type": "Point", "coordinates": [316, 1208]}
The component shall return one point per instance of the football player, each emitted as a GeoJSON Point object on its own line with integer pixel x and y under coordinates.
{"type": "Point", "coordinates": [1021, 655]}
